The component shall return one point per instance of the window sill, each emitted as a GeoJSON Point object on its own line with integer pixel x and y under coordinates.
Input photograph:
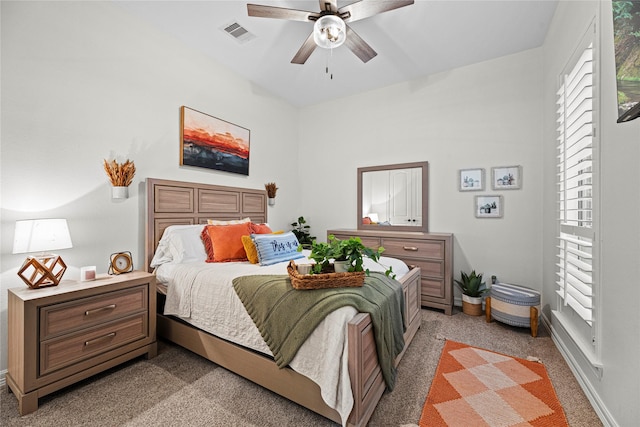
{"type": "Point", "coordinates": [561, 328]}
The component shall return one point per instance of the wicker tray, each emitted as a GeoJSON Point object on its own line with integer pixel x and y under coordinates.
{"type": "Point", "coordinates": [324, 280]}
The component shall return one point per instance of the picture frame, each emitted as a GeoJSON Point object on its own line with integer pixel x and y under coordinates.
{"type": "Point", "coordinates": [506, 178]}
{"type": "Point", "coordinates": [471, 179]}
{"type": "Point", "coordinates": [212, 143]}
{"type": "Point", "coordinates": [489, 206]}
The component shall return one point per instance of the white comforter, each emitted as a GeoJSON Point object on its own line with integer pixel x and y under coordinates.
{"type": "Point", "coordinates": [202, 294]}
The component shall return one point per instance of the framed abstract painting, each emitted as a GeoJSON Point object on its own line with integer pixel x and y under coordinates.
{"type": "Point", "coordinates": [212, 143]}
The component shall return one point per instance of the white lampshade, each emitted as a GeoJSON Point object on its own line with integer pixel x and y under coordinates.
{"type": "Point", "coordinates": [329, 31]}
{"type": "Point", "coordinates": [41, 235]}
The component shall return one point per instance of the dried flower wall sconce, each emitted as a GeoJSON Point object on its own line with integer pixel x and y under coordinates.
{"type": "Point", "coordinates": [271, 192]}
{"type": "Point", "coordinates": [120, 175]}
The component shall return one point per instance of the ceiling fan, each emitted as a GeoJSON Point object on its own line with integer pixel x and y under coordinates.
{"type": "Point", "coordinates": [330, 24]}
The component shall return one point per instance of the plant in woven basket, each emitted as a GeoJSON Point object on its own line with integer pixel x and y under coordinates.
{"type": "Point", "coordinates": [320, 254]}
{"type": "Point", "coordinates": [471, 284]}
{"type": "Point", "coordinates": [472, 288]}
{"type": "Point", "coordinates": [351, 250]}
{"type": "Point", "coordinates": [120, 174]}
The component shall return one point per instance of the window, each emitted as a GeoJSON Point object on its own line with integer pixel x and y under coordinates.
{"type": "Point", "coordinates": [576, 167]}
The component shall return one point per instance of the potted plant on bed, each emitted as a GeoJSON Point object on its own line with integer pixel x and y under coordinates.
{"type": "Point", "coordinates": [473, 288]}
{"type": "Point", "coordinates": [347, 255]}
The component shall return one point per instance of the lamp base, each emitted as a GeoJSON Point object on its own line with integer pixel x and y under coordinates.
{"type": "Point", "coordinates": [41, 271]}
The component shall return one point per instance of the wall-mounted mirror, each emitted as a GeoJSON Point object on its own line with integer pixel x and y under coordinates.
{"type": "Point", "coordinates": [393, 197]}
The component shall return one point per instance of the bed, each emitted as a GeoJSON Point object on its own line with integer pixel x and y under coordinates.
{"type": "Point", "coordinates": [175, 203]}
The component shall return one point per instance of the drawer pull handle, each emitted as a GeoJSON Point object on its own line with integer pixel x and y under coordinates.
{"type": "Point", "coordinates": [102, 338]}
{"type": "Point", "coordinates": [97, 310]}
{"type": "Point", "coordinates": [410, 248]}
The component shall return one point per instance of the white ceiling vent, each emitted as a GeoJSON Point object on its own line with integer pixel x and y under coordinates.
{"type": "Point", "coordinates": [238, 32]}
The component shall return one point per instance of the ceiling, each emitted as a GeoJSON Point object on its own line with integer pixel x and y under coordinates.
{"type": "Point", "coordinates": [427, 37]}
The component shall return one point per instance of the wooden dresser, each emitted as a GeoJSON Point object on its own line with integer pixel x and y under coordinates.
{"type": "Point", "coordinates": [62, 334]}
{"type": "Point", "coordinates": [432, 252]}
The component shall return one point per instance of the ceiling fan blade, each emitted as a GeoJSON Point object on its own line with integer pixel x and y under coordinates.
{"type": "Point", "coordinates": [328, 5]}
{"type": "Point", "coordinates": [364, 9]}
{"type": "Point", "coordinates": [358, 46]}
{"type": "Point", "coordinates": [262, 11]}
{"type": "Point", "coordinates": [305, 50]}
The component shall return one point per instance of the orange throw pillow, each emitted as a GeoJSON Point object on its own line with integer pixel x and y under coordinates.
{"type": "Point", "coordinates": [226, 241]}
{"type": "Point", "coordinates": [206, 240]}
{"type": "Point", "coordinates": [260, 228]}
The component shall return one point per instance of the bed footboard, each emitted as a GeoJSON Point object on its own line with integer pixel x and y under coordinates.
{"type": "Point", "coordinates": [367, 383]}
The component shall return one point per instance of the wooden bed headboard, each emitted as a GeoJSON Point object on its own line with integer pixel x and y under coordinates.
{"type": "Point", "coordinates": [187, 203]}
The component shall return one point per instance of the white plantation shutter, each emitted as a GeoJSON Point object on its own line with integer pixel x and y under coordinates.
{"type": "Point", "coordinates": [575, 187]}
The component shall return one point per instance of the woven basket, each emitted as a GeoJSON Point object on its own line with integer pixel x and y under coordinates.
{"type": "Point", "coordinates": [324, 280]}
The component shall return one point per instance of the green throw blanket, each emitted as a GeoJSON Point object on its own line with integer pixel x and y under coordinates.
{"type": "Point", "coordinates": [286, 316]}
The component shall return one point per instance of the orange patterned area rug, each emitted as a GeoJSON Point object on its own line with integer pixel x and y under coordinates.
{"type": "Point", "coordinates": [476, 387]}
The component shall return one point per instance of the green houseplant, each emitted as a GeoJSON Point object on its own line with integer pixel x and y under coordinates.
{"type": "Point", "coordinates": [301, 231]}
{"type": "Point", "coordinates": [352, 251]}
{"type": "Point", "coordinates": [473, 288]}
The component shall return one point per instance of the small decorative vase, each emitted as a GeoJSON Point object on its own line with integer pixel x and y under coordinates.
{"type": "Point", "coordinates": [119, 192]}
{"type": "Point", "coordinates": [341, 266]}
{"type": "Point", "coordinates": [472, 305]}
{"type": "Point", "coordinates": [272, 201]}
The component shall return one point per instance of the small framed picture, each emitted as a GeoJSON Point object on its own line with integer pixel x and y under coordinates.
{"type": "Point", "coordinates": [87, 273]}
{"type": "Point", "coordinates": [506, 178]}
{"type": "Point", "coordinates": [471, 179]}
{"type": "Point", "coordinates": [488, 206]}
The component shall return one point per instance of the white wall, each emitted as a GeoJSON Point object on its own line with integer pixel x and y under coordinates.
{"type": "Point", "coordinates": [83, 81]}
{"type": "Point", "coordinates": [615, 393]}
{"type": "Point", "coordinates": [480, 116]}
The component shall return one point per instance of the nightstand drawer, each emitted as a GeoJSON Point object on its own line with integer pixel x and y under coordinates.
{"type": "Point", "coordinates": [60, 352]}
{"type": "Point", "coordinates": [413, 248]}
{"type": "Point", "coordinates": [62, 318]}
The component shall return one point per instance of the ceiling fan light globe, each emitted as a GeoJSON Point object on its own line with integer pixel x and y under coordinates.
{"type": "Point", "coordinates": [329, 31]}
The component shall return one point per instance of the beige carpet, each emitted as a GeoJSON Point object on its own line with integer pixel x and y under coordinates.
{"type": "Point", "coordinates": [178, 388]}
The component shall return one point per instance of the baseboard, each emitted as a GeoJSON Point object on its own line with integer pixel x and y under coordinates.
{"type": "Point", "coordinates": [597, 403]}
{"type": "Point", "coordinates": [3, 378]}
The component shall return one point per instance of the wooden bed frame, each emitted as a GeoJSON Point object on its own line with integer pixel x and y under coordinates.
{"type": "Point", "coordinates": [175, 202]}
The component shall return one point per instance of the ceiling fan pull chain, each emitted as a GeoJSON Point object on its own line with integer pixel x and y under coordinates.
{"type": "Point", "coordinates": [328, 60]}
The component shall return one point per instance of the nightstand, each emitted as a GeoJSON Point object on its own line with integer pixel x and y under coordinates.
{"type": "Point", "coordinates": [63, 334]}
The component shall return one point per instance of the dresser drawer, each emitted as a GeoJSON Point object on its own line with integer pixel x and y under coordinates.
{"type": "Point", "coordinates": [83, 313]}
{"type": "Point", "coordinates": [422, 249]}
{"type": "Point", "coordinates": [370, 242]}
{"type": "Point", "coordinates": [432, 288]}
{"type": "Point", "coordinates": [427, 268]}
{"type": "Point", "coordinates": [66, 350]}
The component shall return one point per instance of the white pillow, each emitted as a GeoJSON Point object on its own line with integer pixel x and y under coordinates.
{"type": "Point", "coordinates": [180, 243]}
{"type": "Point", "coordinates": [228, 222]}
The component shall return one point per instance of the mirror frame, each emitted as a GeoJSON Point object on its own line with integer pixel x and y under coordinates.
{"type": "Point", "coordinates": [425, 201]}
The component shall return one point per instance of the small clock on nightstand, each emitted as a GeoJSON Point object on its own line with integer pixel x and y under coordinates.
{"type": "Point", "coordinates": [121, 262]}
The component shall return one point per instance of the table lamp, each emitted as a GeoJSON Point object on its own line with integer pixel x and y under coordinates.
{"type": "Point", "coordinates": [41, 235]}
